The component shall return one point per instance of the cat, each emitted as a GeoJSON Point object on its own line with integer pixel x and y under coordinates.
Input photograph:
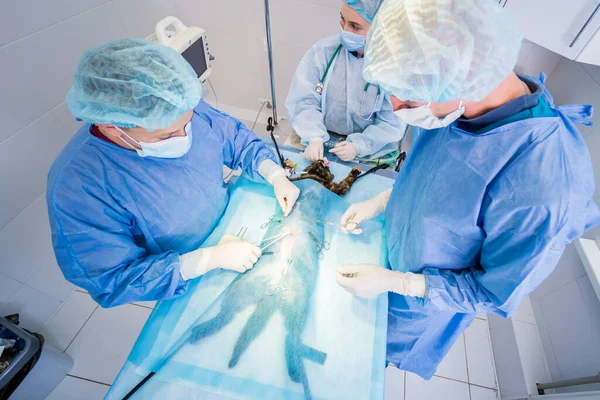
{"type": "Point", "coordinates": [319, 172]}
{"type": "Point", "coordinates": [270, 288]}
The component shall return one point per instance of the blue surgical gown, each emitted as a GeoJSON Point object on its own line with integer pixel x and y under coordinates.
{"type": "Point", "coordinates": [485, 217]}
{"type": "Point", "coordinates": [338, 108]}
{"type": "Point", "coordinates": [119, 222]}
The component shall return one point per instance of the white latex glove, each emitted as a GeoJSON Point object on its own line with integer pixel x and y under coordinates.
{"type": "Point", "coordinates": [346, 151]}
{"type": "Point", "coordinates": [363, 211]}
{"type": "Point", "coordinates": [314, 150]}
{"type": "Point", "coordinates": [232, 253]}
{"type": "Point", "coordinates": [368, 280]}
{"type": "Point", "coordinates": [285, 191]}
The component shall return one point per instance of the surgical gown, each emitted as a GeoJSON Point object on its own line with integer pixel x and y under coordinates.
{"type": "Point", "coordinates": [338, 108]}
{"type": "Point", "coordinates": [119, 222]}
{"type": "Point", "coordinates": [485, 217]}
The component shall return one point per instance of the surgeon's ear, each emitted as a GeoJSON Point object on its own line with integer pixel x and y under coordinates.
{"type": "Point", "coordinates": [396, 103]}
{"type": "Point", "coordinates": [110, 131]}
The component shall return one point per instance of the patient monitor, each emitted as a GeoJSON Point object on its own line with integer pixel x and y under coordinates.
{"type": "Point", "coordinates": [190, 42]}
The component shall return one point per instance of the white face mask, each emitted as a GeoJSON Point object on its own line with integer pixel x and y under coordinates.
{"type": "Point", "coordinates": [423, 117]}
{"type": "Point", "coordinates": [174, 147]}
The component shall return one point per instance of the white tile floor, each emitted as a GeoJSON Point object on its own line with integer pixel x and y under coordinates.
{"type": "Point", "coordinates": [467, 372]}
{"type": "Point", "coordinates": [99, 341]}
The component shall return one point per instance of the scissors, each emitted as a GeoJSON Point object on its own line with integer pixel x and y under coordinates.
{"type": "Point", "coordinates": [350, 224]}
{"type": "Point", "coordinates": [284, 292]}
{"type": "Point", "coordinates": [271, 219]}
{"type": "Point", "coordinates": [320, 246]}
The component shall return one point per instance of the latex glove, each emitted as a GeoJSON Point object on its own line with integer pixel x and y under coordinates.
{"type": "Point", "coordinates": [346, 151]}
{"type": "Point", "coordinates": [363, 211]}
{"type": "Point", "coordinates": [231, 253]}
{"type": "Point", "coordinates": [314, 150]}
{"type": "Point", "coordinates": [285, 191]}
{"type": "Point", "coordinates": [368, 280]}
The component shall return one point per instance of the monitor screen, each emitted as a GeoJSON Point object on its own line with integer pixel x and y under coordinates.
{"type": "Point", "coordinates": [194, 55]}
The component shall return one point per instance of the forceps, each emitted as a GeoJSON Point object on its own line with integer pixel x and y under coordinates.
{"type": "Point", "coordinates": [284, 291]}
{"type": "Point", "coordinates": [327, 223]}
{"type": "Point", "coordinates": [242, 231]}
{"type": "Point", "coordinates": [271, 219]}
{"type": "Point", "coordinates": [350, 223]}
{"type": "Point", "coordinates": [274, 239]}
{"type": "Point", "coordinates": [320, 246]}
{"type": "Point", "coordinates": [347, 226]}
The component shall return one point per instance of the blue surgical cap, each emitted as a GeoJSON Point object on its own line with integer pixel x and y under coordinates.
{"type": "Point", "coordinates": [441, 50]}
{"type": "Point", "coordinates": [133, 82]}
{"type": "Point", "coordinates": [366, 8]}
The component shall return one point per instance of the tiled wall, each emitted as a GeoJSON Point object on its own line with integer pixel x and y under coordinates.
{"type": "Point", "coordinates": [566, 307]}
{"type": "Point", "coordinates": [534, 59]}
{"type": "Point", "coordinates": [566, 298]}
{"type": "Point", "coordinates": [237, 39]}
{"type": "Point", "coordinates": [40, 44]}
{"type": "Point", "coordinates": [39, 50]}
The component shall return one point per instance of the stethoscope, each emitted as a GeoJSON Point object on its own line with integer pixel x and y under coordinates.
{"type": "Point", "coordinates": [320, 86]}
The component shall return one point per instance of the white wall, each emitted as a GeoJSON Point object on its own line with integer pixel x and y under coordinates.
{"type": "Point", "coordinates": [534, 59]}
{"type": "Point", "coordinates": [40, 44]}
{"type": "Point", "coordinates": [566, 308]}
{"type": "Point", "coordinates": [39, 50]}
{"type": "Point", "coordinates": [236, 33]}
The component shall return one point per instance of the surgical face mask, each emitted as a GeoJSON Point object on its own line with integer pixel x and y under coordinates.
{"type": "Point", "coordinates": [174, 147]}
{"type": "Point", "coordinates": [423, 117]}
{"type": "Point", "coordinates": [352, 41]}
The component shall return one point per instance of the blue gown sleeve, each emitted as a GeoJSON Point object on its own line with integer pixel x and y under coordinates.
{"type": "Point", "coordinates": [512, 265]}
{"type": "Point", "coordinates": [386, 129]}
{"type": "Point", "coordinates": [528, 218]}
{"type": "Point", "coordinates": [303, 103]}
{"type": "Point", "coordinates": [241, 147]}
{"type": "Point", "coordinates": [95, 248]}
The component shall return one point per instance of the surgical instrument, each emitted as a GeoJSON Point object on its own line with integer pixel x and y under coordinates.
{"type": "Point", "coordinates": [275, 239]}
{"type": "Point", "coordinates": [242, 231]}
{"type": "Point", "coordinates": [320, 246]}
{"type": "Point", "coordinates": [350, 224]}
{"type": "Point", "coordinates": [271, 219]}
{"type": "Point", "coordinates": [284, 291]}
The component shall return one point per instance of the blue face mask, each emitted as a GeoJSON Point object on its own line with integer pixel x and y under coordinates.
{"type": "Point", "coordinates": [352, 41]}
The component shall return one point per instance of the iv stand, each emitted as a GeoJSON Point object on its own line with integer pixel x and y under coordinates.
{"type": "Point", "coordinates": [270, 51]}
{"type": "Point", "coordinates": [272, 121]}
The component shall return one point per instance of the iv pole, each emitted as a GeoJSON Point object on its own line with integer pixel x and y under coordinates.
{"type": "Point", "coordinates": [272, 121]}
{"type": "Point", "coordinates": [270, 51]}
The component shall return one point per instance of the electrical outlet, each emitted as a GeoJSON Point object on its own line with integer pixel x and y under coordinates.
{"type": "Point", "coordinates": [266, 102]}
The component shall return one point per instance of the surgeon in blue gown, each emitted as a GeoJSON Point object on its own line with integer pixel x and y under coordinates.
{"type": "Point", "coordinates": [361, 114]}
{"type": "Point", "coordinates": [495, 187]}
{"type": "Point", "coordinates": [137, 190]}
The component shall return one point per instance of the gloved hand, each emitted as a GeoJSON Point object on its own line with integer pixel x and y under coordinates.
{"type": "Point", "coordinates": [286, 192]}
{"type": "Point", "coordinates": [368, 280]}
{"type": "Point", "coordinates": [363, 211]}
{"type": "Point", "coordinates": [346, 151]}
{"type": "Point", "coordinates": [232, 253]}
{"type": "Point", "coordinates": [314, 150]}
